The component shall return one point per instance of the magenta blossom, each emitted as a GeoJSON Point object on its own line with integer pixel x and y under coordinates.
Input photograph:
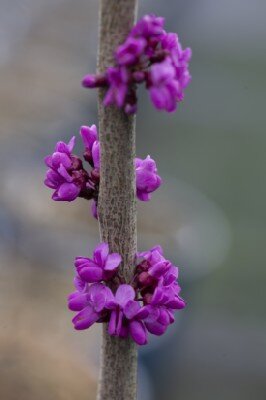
{"type": "Point", "coordinates": [179, 57]}
{"type": "Point", "coordinates": [91, 143]}
{"type": "Point", "coordinates": [148, 55]}
{"type": "Point", "coordinates": [155, 264]}
{"type": "Point", "coordinates": [147, 179]}
{"type": "Point", "coordinates": [90, 303]}
{"type": "Point", "coordinates": [161, 308]}
{"type": "Point", "coordinates": [89, 135]}
{"type": "Point", "coordinates": [164, 88]}
{"type": "Point", "coordinates": [118, 86]}
{"type": "Point", "coordinates": [126, 315]}
{"type": "Point", "coordinates": [94, 81]}
{"type": "Point", "coordinates": [146, 305]}
{"type": "Point", "coordinates": [103, 266]}
{"type": "Point", "coordinates": [129, 52]}
{"type": "Point", "coordinates": [66, 174]}
{"type": "Point", "coordinates": [154, 270]}
{"type": "Point", "coordinates": [148, 26]}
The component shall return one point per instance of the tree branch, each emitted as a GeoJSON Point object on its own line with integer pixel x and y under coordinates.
{"type": "Point", "coordinates": [117, 200]}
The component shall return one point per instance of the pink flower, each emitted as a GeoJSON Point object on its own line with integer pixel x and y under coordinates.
{"type": "Point", "coordinates": [149, 54]}
{"type": "Point", "coordinates": [118, 79]}
{"type": "Point", "coordinates": [66, 174]}
{"type": "Point", "coordinates": [103, 266]}
{"type": "Point", "coordinates": [148, 26]}
{"type": "Point", "coordinates": [91, 143]}
{"type": "Point", "coordinates": [90, 303]}
{"type": "Point", "coordinates": [129, 52]}
{"type": "Point", "coordinates": [161, 308]}
{"type": "Point", "coordinates": [164, 88]}
{"type": "Point", "coordinates": [147, 179]}
{"type": "Point", "coordinates": [126, 316]}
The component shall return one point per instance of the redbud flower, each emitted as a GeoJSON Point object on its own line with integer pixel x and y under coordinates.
{"type": "Point", "coordinates": [89, 135]}
{"type": "Point", "coordinates": [148, 26]}
{"type": "Point", "coordinates": [155, 265]}
{"type": "Point", "coordinates": [94, 81]}
{"type": "Point", "coordinates": [118, 79]}
{"type": "Point", "coordinates": [91, 143]}
{"type": "Point", "coordinates": [147, 179]}
{"type": "Point", "coordinates": [126, 315]}
{"type": "Point", "coordinates": [164, 88]}
{"type": "Point", "coordinates": [161, 308]}
{"type": "Point", "coordinates": [129, 52]}
{"type": "Point", "coordinates": [66, 174]}
{"type": "Point", "coordinates": [148, 305]}
{"type": "Point", "coordinates": [90, 303]}
{"type": "Point", "coordinates": [102, 267]}
{"type": "Point", "coordinates": [149, 54]}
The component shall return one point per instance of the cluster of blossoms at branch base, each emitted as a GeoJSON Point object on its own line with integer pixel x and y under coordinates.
{"type": "Point", "coordinates": [149, 55]}
{"type": "Point", "coordinates": [145, 305]}
{"type": "Point", "coordinates": [69, 179]}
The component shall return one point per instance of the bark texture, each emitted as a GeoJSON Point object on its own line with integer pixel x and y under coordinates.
{"type": "Point", "coordinates": [117, 200]}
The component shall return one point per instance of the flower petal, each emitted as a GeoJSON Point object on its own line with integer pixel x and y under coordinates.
{"type": "Point", "coordinates": [112, 262]}
{"type": "Point", "coordinates": [68, 192]}
{"type": "Point", "coordinates": [112, 324]}
{"type": "Point", "coordinates": [77, 301]}
{"type": "Point", "coordinates": [131, 308]}
{"type": "Point", "coordinates": [96, 154]}
{"type": "Point", "coordinates": [159, 269]}
{"type": "Point", "coordinates": [156, 328]}
{"type": "Point", "coordinates": [138, 332]}
{"type": "Point", "coordinates": [89, 135]}
{"type": "Point", "coordinates": [91, 274]}
{"type": "Point", "coordinates": [85, 318]}
{"type": "Point", "coordinates": [123, 294]}
{"type": "Point", "coordinates": [100, 254]}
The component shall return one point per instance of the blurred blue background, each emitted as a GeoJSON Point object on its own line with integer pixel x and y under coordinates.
{"type": "Point", "coordinates": [209, 215]}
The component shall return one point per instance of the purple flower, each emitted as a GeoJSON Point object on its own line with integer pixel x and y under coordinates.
{"type": "Point", "coordinates": [179, 57]}
{"type": "Point", "coordinates": [133, 310]}
{"type": "Point", "coordinates": [102, 267]}
{"type": "Point", "coordinates": [148, 26]}
{"type": "Point", "coordinates": [164, 88]}
{"type": "Point", "coordinates": [89, 135]}
{"type": "Point", "coordinates": [147, 180]}
{"type": "Point", "coordinates": [129, 52]}
{"type": "Point", "coordinates": [91, 303]}
{"type": "Point", "coordinates": [161, 308]}
{"type": "Point", "coordinates": [153, 268]}
{"type": "Point", "coordinates": [94, 81]}
{"type": "Point", "coordinates": [168, 296]}
{"type": "Point", "coordinates": [149, 54]}
{"type": "Point", "coordinates": [91, 143]}
{"type": "Point", "coordinates": [96, 154]}
{"type": "Point", "coordinates": [127, 315]}
{"type": "Point", "coordinates": [118, 79]}
{"type": "Point", "coordinates": [65, 174]}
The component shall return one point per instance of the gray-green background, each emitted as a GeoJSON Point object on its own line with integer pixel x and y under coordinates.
{"type": "Point", "coordinates": [209, 214]}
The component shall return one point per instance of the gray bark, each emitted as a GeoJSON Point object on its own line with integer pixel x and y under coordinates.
{"type": "Point", "coordinates": [117, 200]}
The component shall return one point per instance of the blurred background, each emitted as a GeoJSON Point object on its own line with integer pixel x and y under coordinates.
{"type": "Point", "coordinates": [209, 215]}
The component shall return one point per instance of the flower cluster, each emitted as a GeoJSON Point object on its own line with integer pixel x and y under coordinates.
{"type": "Point", "coordinates": [149, 55]}
{"type": "Point", "coordinates": [146, 305]}
{"type": "Point", "coordinates": [69, 179]}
